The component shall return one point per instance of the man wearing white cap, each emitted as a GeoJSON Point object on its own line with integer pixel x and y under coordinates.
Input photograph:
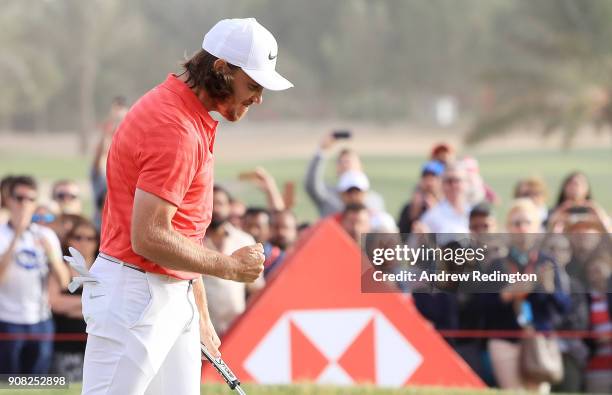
{"type": "Point", "coordinates": [143, 298]}
{"type": "Point", "coordinates": [353, 186]}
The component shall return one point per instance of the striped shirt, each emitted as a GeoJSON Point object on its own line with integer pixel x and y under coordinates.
{"type": "Point", "coordinates": [164, 146]}
{"type": "Point", "coordinates": [601, 324]}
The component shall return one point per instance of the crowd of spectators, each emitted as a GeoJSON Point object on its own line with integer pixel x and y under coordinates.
{"type": "Point", "coordinates": [449, 197]}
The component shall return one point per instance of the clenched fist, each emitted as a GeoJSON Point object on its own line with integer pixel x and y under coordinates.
{"type": "Point", "coordinates": [248, 263]}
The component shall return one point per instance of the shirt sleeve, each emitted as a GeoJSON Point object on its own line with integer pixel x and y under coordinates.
{"type": "Point", "coordinates": [168, 158]}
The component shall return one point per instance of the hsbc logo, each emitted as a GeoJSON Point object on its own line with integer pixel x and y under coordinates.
{"type": "Point", "coordinates": [333, 346]}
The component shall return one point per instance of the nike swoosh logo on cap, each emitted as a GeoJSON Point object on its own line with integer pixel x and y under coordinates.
{"type": "Point", "coordinates": [272, 57]}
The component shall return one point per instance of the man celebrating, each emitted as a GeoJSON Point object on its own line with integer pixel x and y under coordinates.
{"type": "Point", "coordinates": [143, 299]}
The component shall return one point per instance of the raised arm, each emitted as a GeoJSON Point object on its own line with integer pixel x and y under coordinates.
{"type": "Point", "coordinates": [315, 176]}
{"type": "Point", "coordinates": [267, 184]}
{"type": "Point", "coordinates": [7, 256]}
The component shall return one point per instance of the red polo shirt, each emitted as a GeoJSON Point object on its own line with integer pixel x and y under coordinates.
{"type": "Point", "coordinates": [164, 146]}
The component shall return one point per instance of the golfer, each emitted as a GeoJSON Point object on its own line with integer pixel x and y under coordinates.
{"type": "Point", "coordinates": [143, 298]}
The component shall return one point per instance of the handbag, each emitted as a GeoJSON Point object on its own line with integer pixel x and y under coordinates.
{"type": "Point", "coordinates": [540, 358]}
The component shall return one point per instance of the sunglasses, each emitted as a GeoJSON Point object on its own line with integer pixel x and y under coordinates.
{"type": "Point", "coordinates": [529, 194]}
{"type": "Point", "coordinates": [65, 196]}
{"type": "Point", "coordinates": [84, 238]}
{"type": "Point", "coordinates": [452, 180]}
{"type": "Point", "coordinates": [518, 223]}
{"type": "Point", "coordinates": [43, 218]}
{"type": "Point", "coordinates": [23, 198]}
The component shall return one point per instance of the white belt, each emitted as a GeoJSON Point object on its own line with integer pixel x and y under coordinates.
{"type": "Point", "coordinates": [77, 262]}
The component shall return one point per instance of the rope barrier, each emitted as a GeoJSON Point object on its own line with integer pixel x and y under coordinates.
{"type": "Point", "coordinates": [455, 334]}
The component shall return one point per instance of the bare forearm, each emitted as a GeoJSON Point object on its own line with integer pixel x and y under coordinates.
{"type": "Point", "coordinates": [60, 271]}
{"type": "Point", "coordinates": [5, 259]}
{"type": "Point", "coordinates": [275, 199]}
{"type": "Point", "coordinates": [68, 305]}
{"type": "Point", "coordinates": [171, 249]}
{"type": "Point", "coordinates": [199, 294]}
{"type": "Point", "coordinates": [99, 153]}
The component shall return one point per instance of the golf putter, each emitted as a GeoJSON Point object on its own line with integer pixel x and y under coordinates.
{"type": "Point", "coordinates": [225, 372]}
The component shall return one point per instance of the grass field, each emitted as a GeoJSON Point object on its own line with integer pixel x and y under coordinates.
{"type": "Point", "coordinates": [305, 389]}
{"type": "Point", "coordinates": [392, 176]}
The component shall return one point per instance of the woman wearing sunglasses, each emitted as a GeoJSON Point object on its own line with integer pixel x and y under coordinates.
{"type": "Point", "coordinates": [66, 307]}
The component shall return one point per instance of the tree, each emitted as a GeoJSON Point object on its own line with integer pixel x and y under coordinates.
{"type": "Point", "coordinates": [553, 70]}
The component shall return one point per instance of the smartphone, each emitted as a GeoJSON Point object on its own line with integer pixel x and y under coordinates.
{"type": "Point", "coordinates": [342, 134]}
{"type": "Point", "coordinates": [579, 210]}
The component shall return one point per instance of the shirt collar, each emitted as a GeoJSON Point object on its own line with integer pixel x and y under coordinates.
{"type": "Point", "coordinates": [176, 85]}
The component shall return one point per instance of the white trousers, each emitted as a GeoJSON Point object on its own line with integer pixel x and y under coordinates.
{"type": "Point", "coordinates": [143, 333]}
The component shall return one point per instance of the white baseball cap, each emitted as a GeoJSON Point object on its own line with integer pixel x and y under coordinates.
{"type": "Point", "coordinates": [247, 44]}
{"type": "Point", "coordinates": [353, 179]}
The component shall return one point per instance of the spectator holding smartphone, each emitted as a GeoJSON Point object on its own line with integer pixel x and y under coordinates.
{"type": "Point", "coordinates": [324, 196]}
{"type": "Point", "coordinates": [576, 204]}
{"type": "Point", "coordinates": [575, 188]}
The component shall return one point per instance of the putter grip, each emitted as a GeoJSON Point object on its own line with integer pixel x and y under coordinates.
{"type": "Point", "coordinates": [227, 374]}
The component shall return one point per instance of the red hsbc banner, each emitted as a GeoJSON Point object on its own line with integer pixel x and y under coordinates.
{"type": "Point", "coordinates": [313, 323]}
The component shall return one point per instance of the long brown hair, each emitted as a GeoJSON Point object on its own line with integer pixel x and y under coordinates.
{"type": "Point", "coordinates": [202, 74]}
{"type": "Point", "coordinates": [78, 223]}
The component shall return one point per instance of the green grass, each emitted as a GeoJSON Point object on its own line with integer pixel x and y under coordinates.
{"type": "Point", "coordinates": [304, 389]}
{"type": "Point", "coordinates": [392, 176]}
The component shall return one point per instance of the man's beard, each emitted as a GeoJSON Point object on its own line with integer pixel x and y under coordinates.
{"type": "Point", "coordinates": [280, 243]}
{"type": "Point", "coordinates": [217, 222]}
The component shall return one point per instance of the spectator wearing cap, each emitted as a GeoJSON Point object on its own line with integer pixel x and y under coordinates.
{"type": "Point", "coordinates": [29, 254]}
{"type": "Point", "coordinates": [67, 195]}
{"type": "Point", "coordinates": [326, 197]}
{"type": "Point", "coordinates": [45, 214]}
{"type": "Point", "coordinates": [451, 214]}
{"type": "Point", "coordinates": [353, 187]}
{"type": "Point", "coordinates": [426, 195]}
